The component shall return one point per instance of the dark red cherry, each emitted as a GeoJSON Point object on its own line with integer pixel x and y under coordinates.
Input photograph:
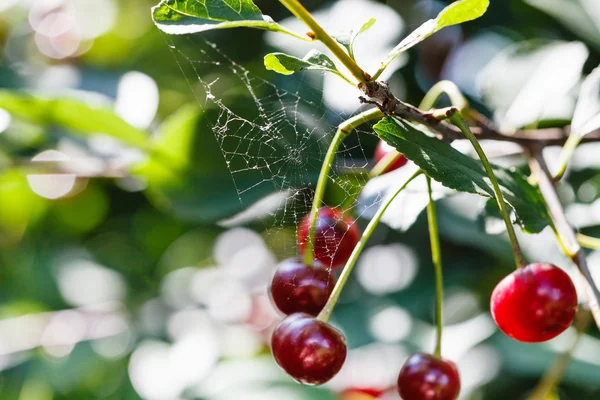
{"type": "Point", "coordinates": [310, 351]}
{"type": "Point", "coordinates": [426, 377]}
{"type": "Point", "coordinates": [297, 287]}
{"type": "Point", "coordinates": [534, 303]}
{"type": "Point", "coordinates": [335, 236]}
{"type": "Point", "coordinates": [384, 149]}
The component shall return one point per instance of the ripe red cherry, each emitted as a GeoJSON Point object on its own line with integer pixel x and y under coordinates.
{"type": "Point", "coordinates": [426, 377]}
{"type": "Point", "coordinates": [384, 149]}
{"type": "Point", "coordinates": [310, 351]}
{"type": "Point", "coordinates": [297, 287]}
{"type": "Point", "coordinates": [335, 236]}
{"type": "Point", "coordinates": [534, 303]}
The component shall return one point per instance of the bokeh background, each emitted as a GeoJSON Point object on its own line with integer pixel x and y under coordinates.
{"type": "Point", "coordinates": [121, 280]}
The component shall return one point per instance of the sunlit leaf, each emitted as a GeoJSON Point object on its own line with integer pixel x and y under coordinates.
{"type": "Point", "coordinates": [459, 172]}
{"type": "Point", "coordinates": [533, 81]}
{"type": "Point", "coordinates": [586, 117]}
{"type": "Point", "coordinates": [347, 39]}
{"type": "Point", "coordinates": [179, 17]}
{"type": "Point", "coordinates": [456, 13]}
{"type": "Point", "coordinates": [580, 16]}
{"type": "Point", "coordinates": [287, 65]}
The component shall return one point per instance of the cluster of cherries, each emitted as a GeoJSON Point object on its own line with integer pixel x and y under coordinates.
{"type": "Point", "coordinates": [533, 304]}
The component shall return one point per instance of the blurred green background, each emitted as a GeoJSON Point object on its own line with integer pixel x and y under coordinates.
{"type": "Point", "coordinates": [134, 262]}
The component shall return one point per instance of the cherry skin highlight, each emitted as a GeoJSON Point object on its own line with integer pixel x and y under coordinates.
{"type": "Point", "coordinates": [335, 236]}
{"type": "Point", "coordinates": [535, 303]}
{"type": "Point", "coordinates": [297, 287]}
{"type": "Point", "coordinates": [384, 149]}
{"type": "Point", "coordinates": [310, 351]}
{"type": "Point", "coordinates": [426, 377]}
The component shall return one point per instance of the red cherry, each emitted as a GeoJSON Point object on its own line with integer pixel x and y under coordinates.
{"type": "Point", "coordinates": [534, 303]}
{"type": "Point", "coordinates": [384, 149]}
{"type": "Point", "coordinates": [335, 236]}
{"type": "Point", "coordinates": [310, 351]}
{"type": "Point", "coordinates": [297, 287]}
{"type": "Point", "coordinates": [426, 377]}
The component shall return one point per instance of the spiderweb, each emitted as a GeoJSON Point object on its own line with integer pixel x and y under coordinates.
{"type": "Point", "coordinates": [274, 132]}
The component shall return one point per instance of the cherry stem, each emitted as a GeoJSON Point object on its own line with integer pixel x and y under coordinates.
{"type": "Point", "coordinates": [444, 87]}
{"type": "Point", "coordinates": [436, 257]}
{"type": "Point", "coordinates": [344, 129]}
{"type": "Point", "coordinates": [460, 123]}
{"type": "Point", "coordinates": [296, 8]}
{"type": "Point", "coordinates": [566, 154]}
{"type": "Point", "coordinates": [588, 242]}
{"type": "Point", "coordinates": [325, 314]}
{"type": "Point", "coordinates": [554, 374]}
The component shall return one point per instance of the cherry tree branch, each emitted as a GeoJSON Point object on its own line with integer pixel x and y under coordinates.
{"type": "Point", "coordinates": [378, 93]}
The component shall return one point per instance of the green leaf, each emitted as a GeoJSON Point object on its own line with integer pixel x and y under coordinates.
{"type": "Point", "coordinates": [456, 13]}
{"type": "Point", "coordinates": [459, 172]}
{"type": "Point", "coordinates": [178, 17]}
{"type": "Point", "coordinates": [88, 114]}
{"type": "Point", "coordinates": [347, 39]}
{"type": "Point", "coordinates": [287, 65]}
{"type": "Point", "coordinates": [580, 16]}
{"type": "Point", "coordinates": [586, 117]}
{"type": "Point", "coordinates": [521, 83]}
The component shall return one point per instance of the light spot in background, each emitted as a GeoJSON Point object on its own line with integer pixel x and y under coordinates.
{"type": "Point", "coordinates": [65, 28]}
{"type": "Point", "coordinates": [229, 301]}
{"type": "Point", "coordinates": [189, 321]}
{"type": "Point", "coordinates": [587, 192]}
{"type": "Point", "coordinates": [137, 99]}
{"type": "Point", "coordinates": [464, 64]}
{"type": "Point", "coordinates": [229, 375]}
{"type": "Point", "coordinates": [6, 4]}
{"type": "Point", "coordinates": [263, 313]}
{"type": "Point", "coordinates": [375, 365]}
{"type": "Point", "coordinates": [386, 268]}
{"type": "Point", "coordinates": [203, 280]}
{"type": "Point", "coordinates": [239, 341]}
{"type": "Point", "coordinates": [175, 287]}
{"type": "Point", "coordinates": [458, 338]}
{"type": "Point", "coordinates": [132, 183]}
{"type": "Point", "coordinates": [58, 77]}
{"type": "Point", "coordinates": [51, 186]}
{"type": "Point", "coordinates": [478, 366]}
{"type": "Point", "coordinates": [85, 283]}
{"type": "Point", "coordinates": [64, 331]}
{"type": "Point", "coordinates": [253, 265]}
{"type": "Point", "coordinates": [460, 305]}
{"type": "Point", "coordinates": [390, 325]}
{"type": "Point", "coordinates": [117, 340]}
{"type": "Point", "coordinates": [21, 333]}
{"type": "Point", "coordinates": [5, 120]}
{"type": "Point", "coordinates": [232, 241]}
{"type": "Point", "coordinates": [151, 372]}
{"type": "Point", "coordinates": [193, 356]}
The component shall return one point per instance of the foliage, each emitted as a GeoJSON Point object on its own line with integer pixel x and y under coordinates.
{"type": "Point", "coordinates": [149, 203]}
